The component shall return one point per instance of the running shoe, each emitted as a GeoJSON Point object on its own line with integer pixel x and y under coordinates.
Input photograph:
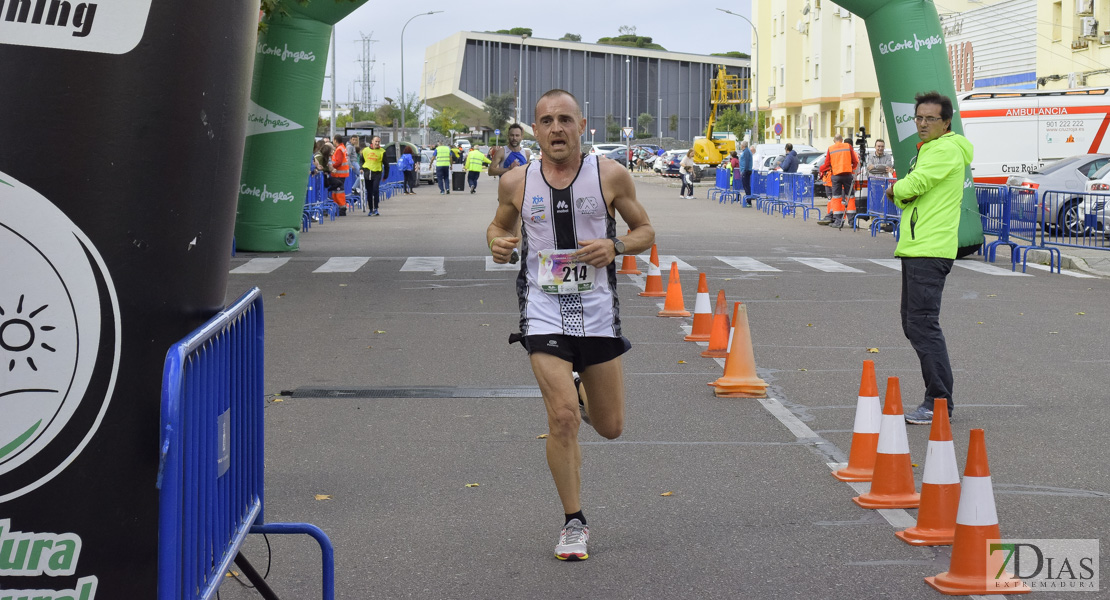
{"type": "Point", "coordinates": [572, 541]}
{"type": "Point", "coordinates": [920, 416]}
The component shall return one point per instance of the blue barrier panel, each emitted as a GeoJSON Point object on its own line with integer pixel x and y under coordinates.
{"type": "Point", "coordinates": [211, 473]}
{"type": "Point", "coordinates": [1081, 219]}
{"type": "Point", "coordinates": [798, 195]}
{"type": "Point", "coordinates": [1027, 217]}
{"type": "Point", "coordinates": [994, 212]}
{"type": "Point", "coordinates": [720, 184]}
{"type": "Point", "coordinates": [880, 209]}
{"type": "Point", "coordinates": [758, 188]}
{"type": "Point", "coordinates": [773, 183]}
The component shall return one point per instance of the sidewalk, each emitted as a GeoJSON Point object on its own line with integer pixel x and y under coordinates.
{"type": "Point", "coordinates": [1087, 260]}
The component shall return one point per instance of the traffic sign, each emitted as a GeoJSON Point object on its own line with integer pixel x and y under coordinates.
{"type": "Point", "coordinates": [778, 128]}
{"type": "Point", "coordinates": [592, 131]}
{"type": "Point", "coordinates": [496, 132]}
{"type": "Point", "coordinates": [627, 131]}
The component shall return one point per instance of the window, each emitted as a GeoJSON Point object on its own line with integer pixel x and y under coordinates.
{"type": "Point", "coordinates": [807, 70]}
{"type": "Point", "coordinates": [774, 27]}
{"type": "Point", "coordinates": [1057, 18]}
{"type": "Point", "coordinates": [816, 69]}
{"type": "Point", "coordinates": [782, 76]}
{"type": "Point", "coordinates": [782, 22]}
{"type": "Point", "coordinates": [848, 58]}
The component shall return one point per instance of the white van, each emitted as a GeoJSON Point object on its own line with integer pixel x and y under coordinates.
{"type": "Point", "coordinates": [765, 155]}
{"type": "Point", "coordinates": [1016, 132]}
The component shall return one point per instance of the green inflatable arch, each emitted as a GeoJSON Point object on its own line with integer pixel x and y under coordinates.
{"type": "Point", "coordinates": [907, 45]}
{"type": "Point", "coordinates": [289, 65]}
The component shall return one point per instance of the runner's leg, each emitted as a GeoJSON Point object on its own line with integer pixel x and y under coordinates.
{"type": "Point", "coordinates": [564, 457]}
{"type": "Point", "coordinates": [604, 383]}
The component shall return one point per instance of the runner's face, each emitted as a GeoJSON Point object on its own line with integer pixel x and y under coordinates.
{"type": "Point", "coordinates": [515, 136]}
{"type": "Point", "coordinates": [558, 128]}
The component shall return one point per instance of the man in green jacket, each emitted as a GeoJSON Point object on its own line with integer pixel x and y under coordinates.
{"type": "Point", "coordinates": [930, 197]}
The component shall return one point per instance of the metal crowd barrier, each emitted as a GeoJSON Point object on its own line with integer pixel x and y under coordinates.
{"type": "Point", "coordinates": [211, 474]}
{"type": "Point", "coordinates": [721, 185]}
{"type": "Point", "coordinates": [798, 195]}
{"type": "Point", "coordinates": [1026, 219]}
{"type": "Point", "coordinates": [880, 209]}
{"type": "Point", "coordinates": [1080, 219]}
{"type": "Point", "coordinates": [994, 212]}
{"type": "Point", "coordinates": [772, 189]}
{"type": "Point", "coordinates": [758, 188]}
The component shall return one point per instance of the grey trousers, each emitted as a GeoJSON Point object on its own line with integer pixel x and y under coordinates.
{"type": "Point", "coordinates": [922, 287]}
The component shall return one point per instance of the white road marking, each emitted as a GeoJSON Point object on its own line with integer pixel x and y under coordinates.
{"type": "Point", "coordinates": [432, 264]}
{"type": "Point", "coordinates": [890, 263]}
{"type": "Point", "coordinates": [746, 263]}
{"type": "Point", "coordinates": [342, 264]}
{"type": "Point", "coordinates": [665, 261]}
{"type": "Point", "coordinates": [826, 265]}
{"type": "Point", "coordinates": [259, 265]}
{"type": "Point", "coordinates": [982, 267]}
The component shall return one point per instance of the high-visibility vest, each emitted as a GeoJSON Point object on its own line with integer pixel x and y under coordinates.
{"type": "Point", "coordinates": [842, 159]}
{"type": "Point", "coordinates": [339, 167]}
{"type": "Point", "coordinates": [372, 158]}
{"type": "Point", "coordinates": [475, 160]}
{"type": "Point", "coordinates": [443, 156]}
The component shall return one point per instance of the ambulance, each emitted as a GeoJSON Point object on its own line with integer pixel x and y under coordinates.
{"type": "Point", "coordinates": [1017, 132]}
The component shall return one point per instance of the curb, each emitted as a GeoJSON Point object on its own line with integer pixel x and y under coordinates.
{"type": "Point", "coordinates": [1066, 262]}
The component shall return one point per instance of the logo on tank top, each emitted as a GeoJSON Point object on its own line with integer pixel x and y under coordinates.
{"type": "Point", "coordinates": [562, 207]}
{"type": "Point", "coordinates": [586, 206]}
{"type": "Point", "coordinates": [538, 214]}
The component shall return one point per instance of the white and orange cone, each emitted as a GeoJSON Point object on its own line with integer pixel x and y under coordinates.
{"type": "Point", "coordinates": [892, 482]}
{"type": "Point", "coordinates": [703, 316]}
{"type": "Point", "coordinates": [740, 379]}
{"type": "Point", "coordinates": [653, 287]}
{"type": "Point", "coordinates": [865, 432]}
{"type": "Point", "coordinates": [720, 334]}
{"type": "Point", "coordinates": [674, 305]}
{"type": "Point", "coordinates": [628, 265]}
{"type": "Point", "coordinates": [973, 569]}
{"type": "Point", "coordinates": [940, 486]}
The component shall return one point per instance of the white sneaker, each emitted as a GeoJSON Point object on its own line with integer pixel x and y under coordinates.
{"type": "Point", "coordinates": [572, 541]}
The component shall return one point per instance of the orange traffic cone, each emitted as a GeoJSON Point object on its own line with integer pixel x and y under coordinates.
{"type": "Point", "coordinates": [719, 334]}
{"type": "Point", "coordinates": [628, 265]}
{"type": "Point", "coordinates": [973, 569]}
{"type": "Point", "coordinates": [653, 288]}
{"type": "Point", "coordinates": [892, 482]}
{"type": "Point", "coordinates": [703, 318]}
{"type": "Point", "coordinates": [674, 306]}
{"type": "Point", "coordinates": [740, 380]}
{"type": "Point", "coordinates": [940, 487]}
{"type": "Point", "coordinates": [865, 432]}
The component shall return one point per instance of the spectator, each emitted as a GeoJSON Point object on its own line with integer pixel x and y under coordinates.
{"type": "Point", "coordinates": [746, 170]}
{"type": "Point", "coordinates": [880, 164]}
{"type": "Point", "coordinates": [408, 166]}
{"type": "Point", "coordinates": [842, 161]}
{"type": "Point", "coordinates": [930, 197]}
{"type": "Point", "coordinates": [372, 172]}
{"type": "Point", "coordinates": [340, 170]}
{"type": "Point", "coordinates": [686, 170]}
{"type": "Point", "coordinates": [790, 160]}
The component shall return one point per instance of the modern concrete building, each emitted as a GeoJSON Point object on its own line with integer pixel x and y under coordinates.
{"type": "Point", "coordinates": [621, 82]}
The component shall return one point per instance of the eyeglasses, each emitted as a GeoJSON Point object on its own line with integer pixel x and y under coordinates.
{"type": "Point", "coordinates": [929, 120]}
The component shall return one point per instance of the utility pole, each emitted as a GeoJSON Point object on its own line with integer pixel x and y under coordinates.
{"type": "Point", "coordinates": [366, 64]}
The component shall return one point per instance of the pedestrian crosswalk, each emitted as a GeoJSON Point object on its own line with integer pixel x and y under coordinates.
{"type": "Point", "coordinates": [437, 265]}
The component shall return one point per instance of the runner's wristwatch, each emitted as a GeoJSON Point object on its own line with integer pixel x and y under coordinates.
{"type": "Point", "coordinates": [617, 245]}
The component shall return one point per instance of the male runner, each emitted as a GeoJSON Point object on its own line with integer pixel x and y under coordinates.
{"type": "Point", "coordinates": [569, 317]}
{"type": "Point", "coordinates": [508, 157]}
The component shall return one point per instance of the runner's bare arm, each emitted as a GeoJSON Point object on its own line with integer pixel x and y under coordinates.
{"type": "Point", "coordinates": [498, 159]}
{"type": "Point", "coordinates": [500, 234]}
{"type": "Point", "coordinates": [620, 191]}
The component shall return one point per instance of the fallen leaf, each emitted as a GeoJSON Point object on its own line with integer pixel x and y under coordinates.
{"type": "Point", "coordinates": [913, 464]}
{"type": "Point", "coordinates": [979, 323]}
{"type": "Point", "coordinates": [1080, 313]}
{"type": "Point", "coordinates": [681, 362]}
{"type": "Point", "coordinates": [481, 302]}
{"type": "Point", "coordinates": [323, 496]}
{"type": "Point", "coordinates": [231, 574]}
{"type": "Point", "coordinates": [472, 485]}
{"type": "Point", "coordinates": [809, 324]}
{"type": "Point", "coordinates": [1021, 314]}
{"type": "Point", "coordinates": [667, 494]}
{"type": "Point", "coordinates": [542, 436]}
{"type": "Point", "coordinates": [279, 399]}
{"type": "Point", "coordinates": [992, 295]}
{"type": "Point", "coordinates": [801, 369]}
{"type": "Point", "coordinates": [369, 347]}
{"type": "Point", "coordinates": [379, 331]}
{"type": "Point", "coordinates": [1053, 332]}
{"type": "Point", "coordinates": [485, 324]}
{"type": "Point", "coordinates": [342, 285]}
{"type": "Point", "coordinates": [873, 350]}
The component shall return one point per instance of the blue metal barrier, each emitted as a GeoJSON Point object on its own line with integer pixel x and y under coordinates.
{"type": "Point", "coordinates": [758, 188]}
{"type": "Point", "coordinates": [798, 195]}
{"type": "Point", "coordinates": [1080, 219]}
{"type": "Point", "coordinates": [721, 185]}
{"type": "Point", "coordinates": [211, 473]}
{"type": "Point", "coordinates": [994, 212]}
{"type": "Point", "coordinates": [1026, 219]}
{"type": "Point", "coordinates": [880, 209]}
{"type": "Point", "coordinates": [773, 183]}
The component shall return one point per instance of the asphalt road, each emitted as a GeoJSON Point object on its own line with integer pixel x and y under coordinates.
{"type": "Point", "coordinates": [753, 512]}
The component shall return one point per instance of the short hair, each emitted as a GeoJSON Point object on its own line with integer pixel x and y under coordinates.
{"type": "Point", "coordinates": [838, 138]}
{"type": "Point", "coordinates": [558, 91]}
{"type": "Point", "coordinates": [880, 140]}
{"type": "Point", "coordinates": [339, 139]}
{"type": "Point", "coordinates": [516, 126]}
{"type": "Point", "coordinates": [935, 97]}
{"type": "Point", "coordinates": [744, 144]}
{"type": "Point", "coordinates": [789, 146]}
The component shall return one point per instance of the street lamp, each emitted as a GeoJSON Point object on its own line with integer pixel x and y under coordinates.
{"type": "Point", "coordinates": [587, 117]}
{"type": "Point", "coordinates": [754, 70]}
{"type": "Point", "coordinates": [627, 92]}
{"type": "Point", "coordinates": [520, 76]}
{"type": "Point", "coordinates": [403, 64]}
{"type": "Point", "coordinates": [424, 110]}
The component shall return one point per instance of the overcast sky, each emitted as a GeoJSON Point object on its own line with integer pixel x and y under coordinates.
{"type": "Point", "coordinates": [677, 26]}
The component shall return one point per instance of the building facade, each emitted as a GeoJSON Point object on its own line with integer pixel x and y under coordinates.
{"type": "Point", "coordinates": [615, 84]}
{"type": "Point", "coordinates": [1073, 48]}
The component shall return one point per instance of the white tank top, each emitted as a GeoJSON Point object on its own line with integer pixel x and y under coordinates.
{"type": "Point", "coordinates": [558, 219]}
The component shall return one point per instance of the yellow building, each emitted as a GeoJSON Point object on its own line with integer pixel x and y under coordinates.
{"type": "Point", "coordinates": [1073, 43]}
{"type": "Point", "coordinates": [815, 71]}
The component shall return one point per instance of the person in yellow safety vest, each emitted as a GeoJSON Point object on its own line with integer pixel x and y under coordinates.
{"type": "Point", "coordinates": [372, 157]}
{"type": "Point", "coordinates": [841, 160]}
{"type": "Point", "coordinates": [443, 168]}
{"type": "Point", "coordinates": [475, 160]}
{"type": "Point", "coordinates": [340, 168]}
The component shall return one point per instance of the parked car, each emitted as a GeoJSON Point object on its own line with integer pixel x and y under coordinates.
{"type": "Point", "coordinates": [620, 155]}
{"type": "Point", "coordinates": [1066, 175]}
{"type": "Point", "coordinates": [764, 156]}
{"type": "Point", "coordinates": [426, 170]}
{"type": "Point", "coordinates": [1093, 208]}
{"type": "Point", "coordinates": [606, 148]}
{"type": "Point", "coordinates": [671, 161]}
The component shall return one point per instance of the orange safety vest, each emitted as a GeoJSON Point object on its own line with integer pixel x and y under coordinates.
{"type": "Point", "coordinates": [841, 159]}
{"type": "Point", "coordinates": [339, 166]}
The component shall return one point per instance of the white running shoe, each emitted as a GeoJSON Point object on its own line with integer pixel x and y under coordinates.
{"type": "Point", "coordinates": [572, 541]}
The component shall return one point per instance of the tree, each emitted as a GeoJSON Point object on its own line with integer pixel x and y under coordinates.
{"type": "Point", "coordinates": [631, 41]}
{"type": "Point", "coordinates": [673, 124]}
{"type": "Point", "coordinates": [734, 121]}
{"type": "Point", "coordinates": [731, 54]}
{"type": "Point", "coordinates": [447, 121]}
{"type": "Point", "coordinates": [612, 130]}
{"type": "Point", "coordinates": [386, 113]}
{"type": "Point", "coordinates": [627, 30]}
{"type": "Point", "coordinates": [644, 122]}
{"type": "Point", "coordinates": [517, 31]}
{"type": "Point", "coordinates": [571, 37]}
{"type": "Point", "coordinates": [499, 107]}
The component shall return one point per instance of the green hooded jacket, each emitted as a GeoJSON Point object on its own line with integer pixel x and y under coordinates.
{"type": "Point", "coordinates": [930, 198]}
